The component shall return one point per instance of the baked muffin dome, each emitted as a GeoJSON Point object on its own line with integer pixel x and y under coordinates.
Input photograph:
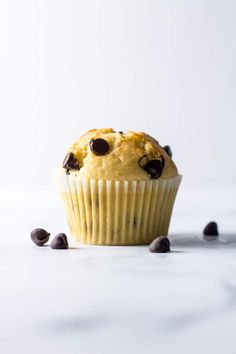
{"type": "Point", "coordinates": [104, 154]}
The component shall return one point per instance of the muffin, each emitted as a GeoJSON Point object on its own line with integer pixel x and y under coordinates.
{"type": "Point", "coordinates": [117, 188]}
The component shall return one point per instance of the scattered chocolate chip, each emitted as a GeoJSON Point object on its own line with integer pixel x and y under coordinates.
{"type": "Point", "coordinates": [120, 132]}
{"type": "Point", "coordinates": [211, 229]}
{"type": "Point", "coordinates": [70, 162]}
{"type": "Point", "coordinates": [168, 150]}
{"type": "Point", "coordinates": [39, 236]}
{"type": "Point", "coordinates": [99, 146]}
{"type": "Point", "coordinates": [161, 244]}
{"type": "Point", "coordinates": [59, 242]}
{"type": "Point", "coordinates": [154, 168]}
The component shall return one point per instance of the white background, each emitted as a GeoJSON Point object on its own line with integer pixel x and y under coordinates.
{"type": "Point", "coordinates": [165, 67]}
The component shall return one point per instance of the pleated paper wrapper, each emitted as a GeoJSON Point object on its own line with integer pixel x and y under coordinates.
{"type": "Point", "coordinates": [104, 212]}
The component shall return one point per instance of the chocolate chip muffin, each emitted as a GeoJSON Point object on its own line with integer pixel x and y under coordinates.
{"type": "Point", "coordinates": [118, 188]}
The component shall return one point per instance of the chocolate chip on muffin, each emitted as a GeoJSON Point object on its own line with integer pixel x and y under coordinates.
{"type": "Point", "coordinates": [161, 244]}
{"type": "Point", "coordinates": [154, 168]}
{"type": "Point", "coordinates": [99, 146]}
{"type": "Point", "coordinates": [168, 150]}
{"type": "Point", "coordinates": [39, 236]}
{"type": "Point", "coordinates": [70, 162]}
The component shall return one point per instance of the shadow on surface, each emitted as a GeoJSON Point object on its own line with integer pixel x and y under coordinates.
{"type": "Point", "coordinates": [199, 240]}
{"type": "Point", "coordinates": [77, 323]}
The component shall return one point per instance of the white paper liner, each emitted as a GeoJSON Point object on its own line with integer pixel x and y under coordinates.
{"type": "Point", "coordinates": [117, 212]}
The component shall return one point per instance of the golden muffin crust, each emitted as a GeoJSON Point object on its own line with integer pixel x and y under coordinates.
{"type": "Point", "coordinates": [127, 157]}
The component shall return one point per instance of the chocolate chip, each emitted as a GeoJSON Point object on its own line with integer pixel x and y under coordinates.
{"type": "Point", "coordinates": [211, 229]}
{"type": "Point", "coordinates": [39, 236]}
{"type": "Point", "coordinates": [99, 146]}
{"type": "Point", "coordinates": [154, 168]}
{"type": "Point", "coordinates": [59, 242]}
{"type": "Point", "coordinates": [168, 150]}
{"type": "Point", "coordinates": [70, 162]}
{"type": "Point", "coordinates": [120, 132]}
{"type": "Point", "coordinates": [161, 244]}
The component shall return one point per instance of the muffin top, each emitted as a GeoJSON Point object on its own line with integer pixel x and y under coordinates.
{"type": "Point", "coordinates": [109, 155]}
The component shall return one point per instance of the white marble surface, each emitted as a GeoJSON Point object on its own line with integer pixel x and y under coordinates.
{"type": "Point", "coordinates": [113, 300]}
